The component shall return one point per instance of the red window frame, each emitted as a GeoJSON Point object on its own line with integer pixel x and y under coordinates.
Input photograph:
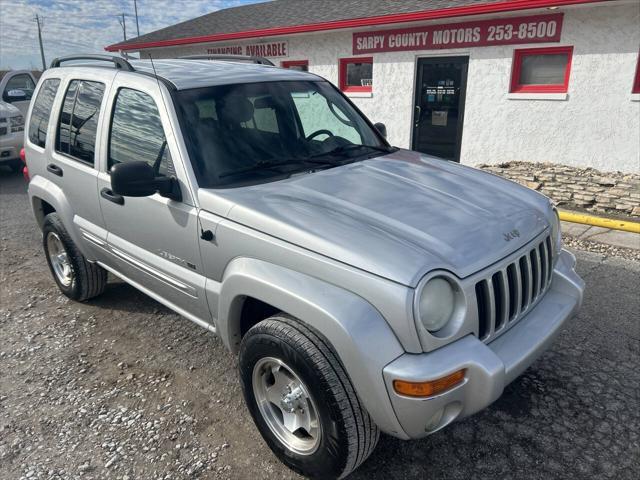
{"type": "Point", "coordinates": [518, 55]}
{"type": "Point", "coordinates": [294, 63]}
{"type": "Point", "coordinates": [636, 81]}
{"type": "Point", "coordinates": [342, 73]}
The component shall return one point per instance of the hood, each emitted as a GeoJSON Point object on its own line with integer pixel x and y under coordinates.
{"type": "Point", "coordinates": [7, 110]}
{"type": "Point", "coordinates": [397, 216]}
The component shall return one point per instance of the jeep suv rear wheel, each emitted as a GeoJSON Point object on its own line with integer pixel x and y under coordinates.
{"type": "Point", "coordinates": [76, 277]}
{"type": "Point", "coordinates": [302, 400]}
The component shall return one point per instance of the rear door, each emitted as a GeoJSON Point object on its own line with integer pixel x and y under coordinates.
{"type": "Point", "coordinates": [153, 240]}
{"type": "Point", "coordinates": [73, 160]}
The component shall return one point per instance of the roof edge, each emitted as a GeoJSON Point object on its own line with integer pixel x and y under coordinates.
{"type": "Point", "coordinates": [469, 10]}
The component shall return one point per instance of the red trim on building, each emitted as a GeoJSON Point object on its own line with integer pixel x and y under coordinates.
{"type": "Point", "coordinates": [476, 9]}
{"type": "Point", "coordinates": [518, 55]}
{"type": "Point", "coordinates": [294, 63]}
{"type": "Point", "coordinates": [636, 82]}
{"type": "Point", "coordinates": [342, 75]}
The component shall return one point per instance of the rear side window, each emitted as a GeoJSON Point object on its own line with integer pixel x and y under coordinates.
{"type": "Point", "coordinates": [137, 133]}
{"type": "Point", "coordinates": [41, 112]}
{"type": "Point", "coordinates": [78, 123]}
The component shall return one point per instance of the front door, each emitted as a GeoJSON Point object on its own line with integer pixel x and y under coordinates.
{"type": "Point", "coordinates": [153, 240]}
{"type": "Point", "coordinates": [439, 106]}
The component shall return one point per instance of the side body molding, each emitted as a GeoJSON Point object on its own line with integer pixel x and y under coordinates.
{"type": "Point", "coordinates": [358, 333]}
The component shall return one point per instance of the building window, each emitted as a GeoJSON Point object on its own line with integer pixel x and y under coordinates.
{"type": "Point", "coordinates": [300, 65]}
{"type": "Point", "coordinates": [356, 74]}
{"type": "Point", "coordinates": [541, 70]}
{"type": "Point", "coordinates": [636, 81]}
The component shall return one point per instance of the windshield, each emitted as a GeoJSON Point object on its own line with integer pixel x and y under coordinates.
{"type": "Point", "coordinates": [253, 133]}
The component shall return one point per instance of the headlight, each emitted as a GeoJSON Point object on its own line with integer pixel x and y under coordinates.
{"type": "Point", "coordinates": [556, 233]}
{"type": "Point", "coordinates": [439, 303]}
{"type": "Point", "coordinates": [17, 123]}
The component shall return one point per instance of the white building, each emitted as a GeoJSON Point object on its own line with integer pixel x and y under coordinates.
{"type": "Point", "coordinates": [475, 81]}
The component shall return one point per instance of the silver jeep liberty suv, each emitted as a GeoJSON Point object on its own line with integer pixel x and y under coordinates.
{"type": "Point", "coordinates": [365, 288]}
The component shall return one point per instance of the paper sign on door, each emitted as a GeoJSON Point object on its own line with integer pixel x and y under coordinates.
{"type": "Point", "coordinates": [439, 118]}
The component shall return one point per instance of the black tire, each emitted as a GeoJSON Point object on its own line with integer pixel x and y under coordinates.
{"type": "Point", "coordinates": [349, 435]}
{"type": "Point", "coordinates": [16, 166]}
{"type": "Point", "coordinates": [87, 279]}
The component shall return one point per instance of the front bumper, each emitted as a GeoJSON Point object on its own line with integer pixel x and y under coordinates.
{"type": "Point", "coordinates": [10, 146]}
{"type": "Point", "coordinates": [489, 367]}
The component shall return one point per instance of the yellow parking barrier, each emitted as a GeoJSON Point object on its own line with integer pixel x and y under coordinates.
{"type": "Point", "coordinates": [611, 223]}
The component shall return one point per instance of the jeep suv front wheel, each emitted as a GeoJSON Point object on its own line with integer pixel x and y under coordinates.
{"type": "Point", "coordinates": [302, 400]}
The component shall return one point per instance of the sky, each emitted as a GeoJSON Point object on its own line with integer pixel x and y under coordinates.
{"type": "Point", "coordinates": [85, 26]}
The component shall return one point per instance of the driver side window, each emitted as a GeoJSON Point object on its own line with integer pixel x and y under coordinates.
{"type": "Point", "coordinates": [315, 114]}
{"type": "Point", "coordinates": [137, 133]}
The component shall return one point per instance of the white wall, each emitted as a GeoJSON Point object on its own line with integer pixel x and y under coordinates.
{"type": "Point", "coordinates": [597, 125]}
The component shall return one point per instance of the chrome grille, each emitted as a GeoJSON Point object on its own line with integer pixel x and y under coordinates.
{"type": "Point", "coordinates": [505, 295]}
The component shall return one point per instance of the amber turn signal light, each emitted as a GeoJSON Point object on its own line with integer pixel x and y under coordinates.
{"type": "Point", "coordinates": [429, 389]}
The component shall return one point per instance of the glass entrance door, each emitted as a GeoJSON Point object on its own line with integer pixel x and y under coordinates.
{"type": "Point", "coordinates": [439, 106]}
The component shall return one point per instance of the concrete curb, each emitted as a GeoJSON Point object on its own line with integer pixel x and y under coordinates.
{"type": "Point", "coordinates": [608, 223]}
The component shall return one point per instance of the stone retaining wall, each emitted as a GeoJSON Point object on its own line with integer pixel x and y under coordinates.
{"type": "Point", "coordinates": [584, 188]}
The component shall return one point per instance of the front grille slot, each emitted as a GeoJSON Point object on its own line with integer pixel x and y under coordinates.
{"type": "Point", "coordinates": [482, 294]}
{"type": "Point", "coordinates": [525, 282]}
{"type": "Point", "coordinates": [514, 291]}
{"type": "Point", "coordinates": [505, 295]}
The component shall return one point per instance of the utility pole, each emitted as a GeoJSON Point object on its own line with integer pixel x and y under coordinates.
{"type": "Point", "coordinates": [135, 7]}
{"type": "Point", "coordinates": [123, 24]}
{"type": "Point", "coordinates": [40, 24]}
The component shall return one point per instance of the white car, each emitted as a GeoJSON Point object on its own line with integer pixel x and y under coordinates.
{"type": "Point", "coordinates": [11, 136]}
{"type": "Point", "coordinates": [16, 88]}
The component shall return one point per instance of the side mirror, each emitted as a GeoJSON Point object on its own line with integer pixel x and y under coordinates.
{"type": "Point", "coordinates": [382, 129]}
{"type": "Point", "coordinates": [137, 179]}
{"type": "Point", "coordinates": [15, 95]}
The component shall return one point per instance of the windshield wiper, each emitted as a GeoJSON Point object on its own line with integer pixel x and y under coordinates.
{"type": "Point", "coordinates": [312, 159]}
{"type": "Point", "coordinates": [351, 147]}
{"type": "Point", "coordinates": [266, 165]}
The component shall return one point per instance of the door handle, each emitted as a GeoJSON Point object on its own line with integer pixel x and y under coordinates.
{"type": "Point", "coordinates": [53, 168]}
{"type": "Point", "coordinates": [107, 194]}
{"type": "Point", "coordinates": [418, 112]}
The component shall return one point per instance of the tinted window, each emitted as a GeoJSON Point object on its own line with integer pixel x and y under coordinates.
{"type": "Point", "coordinates": [42, 111]}
{"type": "Point", "coordinates": [79, 120]}
{"type": "Point", "coordinates": [137, 133]}
{"type": "Point", "coordinates": [20, 82]}
{"type": "Point", "coordinates": [258, 132]}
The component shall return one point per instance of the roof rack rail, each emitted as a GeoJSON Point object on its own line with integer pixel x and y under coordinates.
{"type": "Point", "coordinates": [254, 59]}
{"type": "Point", "coordinates": [119, 62]}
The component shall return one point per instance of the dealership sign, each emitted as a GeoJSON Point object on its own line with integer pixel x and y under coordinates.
{"type": "Point", "coordinates": [270, 49]}
{"type": "Point", "coordinates": [482, 33]}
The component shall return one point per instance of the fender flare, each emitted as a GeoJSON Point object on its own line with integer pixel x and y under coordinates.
{"type": "Point", "coordinates": [43, 189]}
{"type": "Point", "coordinates": [358, 333]}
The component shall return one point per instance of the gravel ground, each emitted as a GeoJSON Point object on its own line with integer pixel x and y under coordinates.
{"type": "Point", "coordinates": [122, 388]}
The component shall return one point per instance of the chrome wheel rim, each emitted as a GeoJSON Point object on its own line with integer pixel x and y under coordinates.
{"type": "Point", "coordinates": [59, 259]}
{"type": "Point", "coordinates": [286, 405]}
